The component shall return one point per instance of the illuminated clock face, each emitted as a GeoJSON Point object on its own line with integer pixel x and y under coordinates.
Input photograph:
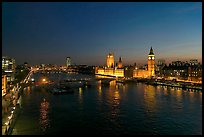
{"type": "Point", "coordinates": [149, 58]}
{"type": "Point", "coordinates": [152, 57]}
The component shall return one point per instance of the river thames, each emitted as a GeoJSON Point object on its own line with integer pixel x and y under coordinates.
{"type": "Point", "coordinates": [130, 109]}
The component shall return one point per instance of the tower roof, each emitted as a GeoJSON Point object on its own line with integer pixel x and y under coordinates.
{"type": "Point", "coordinates": [120, 60]}
{"type": "Point", "coordinates": [151, 52]}
{"type": "Point", "coordinates": [110, 54]}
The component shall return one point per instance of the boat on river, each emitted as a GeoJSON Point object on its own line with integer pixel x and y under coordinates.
{"type": "Point", "coordinates": [62, 90]}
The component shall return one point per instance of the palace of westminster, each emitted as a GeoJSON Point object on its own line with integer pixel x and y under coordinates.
{"type": "Point", "coordinates": [191, 71]}
{"type": "Point", "coordinates": [117, 70]}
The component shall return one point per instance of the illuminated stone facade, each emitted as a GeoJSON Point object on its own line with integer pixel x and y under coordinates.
{"type": "Point", "coordinates": [119, 72]}
{"type": "Point", "coordinates": [110, 60]}
{"type": "Point", "coordinates": [151, 63]}
{"type": "Point", "coordinates": [150, 68]}
{"type": "Point", "coordinates": [100, 71]}
{"type": "Point", "coordinates": [140, 73]}
{"type": "Point", "coordinates": [110, 70]}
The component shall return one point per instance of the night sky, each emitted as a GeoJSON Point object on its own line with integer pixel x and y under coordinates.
{"type": "Point", "coordinates": [48, 32]}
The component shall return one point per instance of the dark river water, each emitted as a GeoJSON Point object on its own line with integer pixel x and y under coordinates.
{"type": "Point", "coordinates": [132, 109]}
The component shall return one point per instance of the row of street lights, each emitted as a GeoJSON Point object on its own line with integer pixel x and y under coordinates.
{"type": "Point", "coordinates": [11, 116]}
{"type": "Point", "coordinates": [9, 122]}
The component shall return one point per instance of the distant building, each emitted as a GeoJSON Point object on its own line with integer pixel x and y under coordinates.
{"type": "Point", "coordinates": [129, 71]}
{"type": "Point", "coordinates": [158, 68]}
{"type": "Point", "coordinates": [195, 73]}
{"type": "Point", "coordinates": [193, 62]}
{"type": "Point", "coordinates": [4, 85]}
{"type": "Point", "coordinates": [110, 70]}
{"type": "Point", "coordinates": [120, 63]}
{"type": "Point", "coordinates": [99, 70]}
{"type": "Point", "coordinates": [26, 64]}
{"type": "Point", "coordinates": [110, 60]}
{"type": "Point", "coordinates": [119, 72]}
{"type": "Point", "coordinates": [177, 63]}
{"type": "Point", "coordinates": [68, 61]}
{"type": "Point", "coordinates": [175, 70]}
{"type": "Point", "coordinates": [8, 64]}
{"type": "Point", "coordinates": [191, 71]}
{"type": "Point", "coordinates": [151, 63]}
{"type": "Point", "coordinates": [161, 62]}
{"type": "Point", "coordinates": [137, 72]}
{"type": "Point", "coordinates": [140, 73]}
{"type": "Point", "coordinates": [8, 68]}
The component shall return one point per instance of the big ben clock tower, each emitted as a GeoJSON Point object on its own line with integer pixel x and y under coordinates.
{"type": "Point", "coordinates": [151, 63]}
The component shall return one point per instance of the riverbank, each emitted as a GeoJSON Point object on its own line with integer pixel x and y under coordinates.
{"type": "Point", "coordinates": [12, 108]}
{"type": "Point", "coordinates": [169, 83]}
{"type": "Point", "coordinates": [9, 117]}
{"type": "Point", "coordinates": [157, 82]}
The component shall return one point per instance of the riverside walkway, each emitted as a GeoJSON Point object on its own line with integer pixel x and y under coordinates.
{"type": "Point", "coordinates": [11, 106]}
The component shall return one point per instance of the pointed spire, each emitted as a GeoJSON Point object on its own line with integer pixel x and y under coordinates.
{"type": "Point", "coordinates": [120, 60]}
{"type": "Point", "coordinates": [120, 63]}
{"type": "Point", "coordinates": [151, 51]}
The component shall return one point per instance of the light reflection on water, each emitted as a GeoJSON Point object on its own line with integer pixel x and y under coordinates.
{"type": "Point", "coordinates": [116, 103]}
{"type": "Point", "coordinates": [44, 115]}
{"type": "Point", "coordinates": [149, 98]}
{"type": "Point", "coordinates": [80, 96]}
{"type": "Point", "coordinates": [114, 109]}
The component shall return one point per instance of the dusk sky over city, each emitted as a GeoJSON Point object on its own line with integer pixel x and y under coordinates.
{"type": "Point", "coordinates": [48, 32]}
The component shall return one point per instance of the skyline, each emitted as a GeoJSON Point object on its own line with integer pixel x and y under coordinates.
{"type": "Point", "coordinates": [87, 32]}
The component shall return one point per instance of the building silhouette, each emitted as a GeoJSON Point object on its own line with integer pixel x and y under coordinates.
{"type": "Point", "coordinates": [68, 61]}
{"type": "Point", "coordinates": [120, 63]}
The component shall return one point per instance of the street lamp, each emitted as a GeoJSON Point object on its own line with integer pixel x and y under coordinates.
{"type": "Point", "coordinates": [6, 123]}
